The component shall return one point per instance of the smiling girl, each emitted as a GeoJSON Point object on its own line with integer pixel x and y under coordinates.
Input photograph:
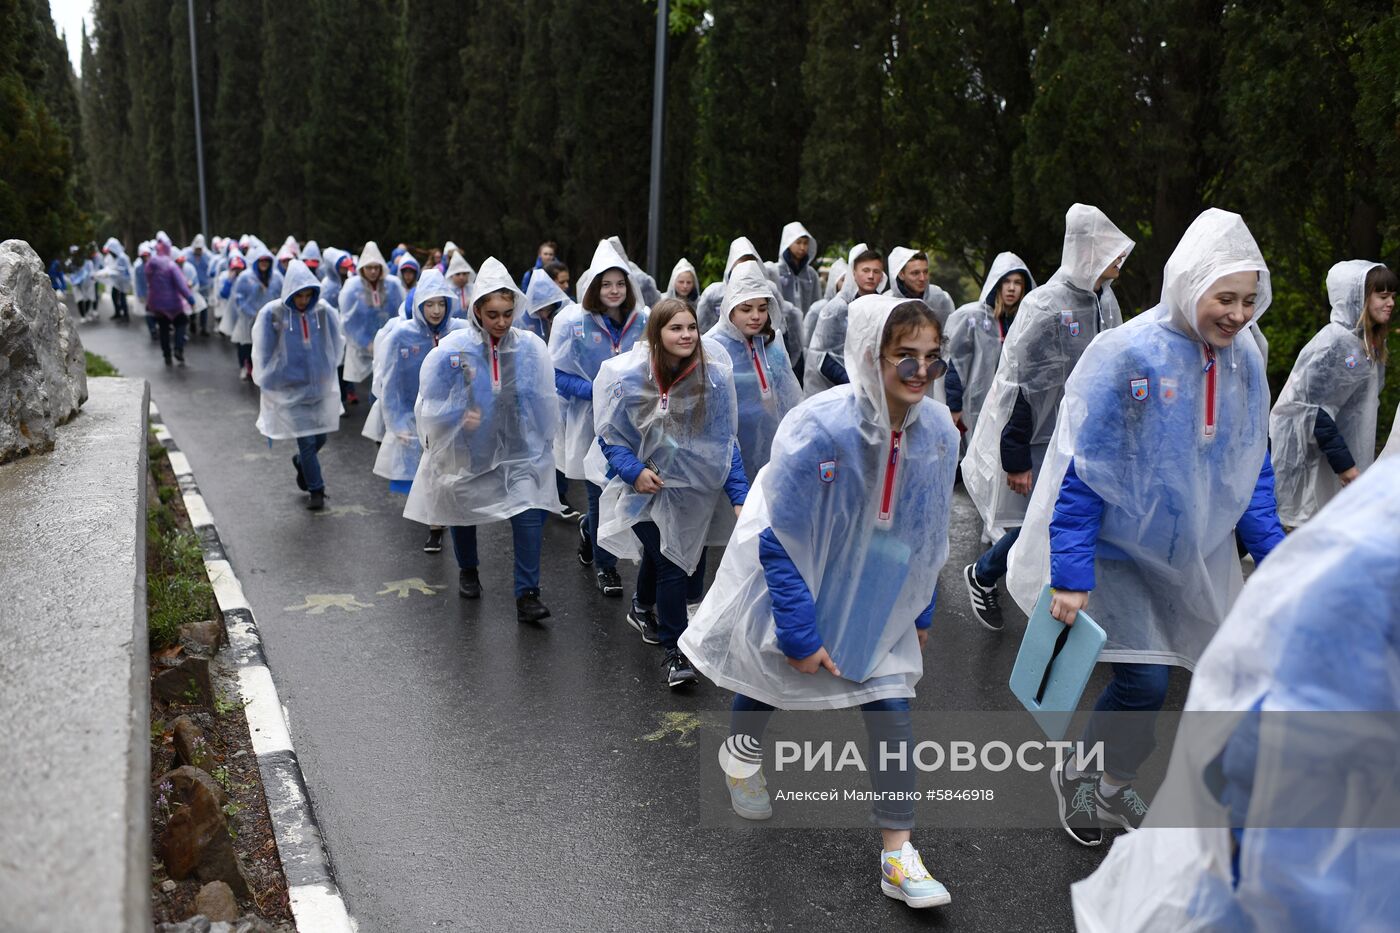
{"type": "Point", "coordinates": [1159, 455]}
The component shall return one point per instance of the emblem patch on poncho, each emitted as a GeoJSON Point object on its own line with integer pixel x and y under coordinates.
{"type": "Point", "coordinates": [827, 471]}
{"type": "Point", "coordinates": [1139, 387]}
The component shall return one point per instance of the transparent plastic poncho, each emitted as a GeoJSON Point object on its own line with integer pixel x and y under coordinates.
{"type": "Point", "coordinates": [802, 287]}
{"type": "Point", "coordinates": [972, 338]}
{"type": "Point", "coordinates": [685, 435]}
{"type": "Point", "coordinates": [1336, 372]}
{"type": "Point", "coordinates": [486, 417]}
{"type": "Point", "coordinates": [863, 513]}
{"type": "Point", "coordinates": [364, 309]}
{"type": "Point", "coordinates": [1316, 629]}
{"type": "Point", "coordinates": [1174, 472]}
{"type": "Point", "coordinates": [827, 334]}
{"type": "Point", "coordinates": [580, 343]}
{"type": "Point", "coordinates": [295, 354]}
{"type": "Point", "coordinates": [1054, 325]}
{"type": "Point", "coordinates": [400, 350]}
{"type": "Point", "coordinates": [763, 380]}
{"type": "Point", "coordinates": [251, 293]}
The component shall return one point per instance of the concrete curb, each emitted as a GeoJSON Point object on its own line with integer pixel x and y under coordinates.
{"type": "Point", "coordinates": [316, 901]}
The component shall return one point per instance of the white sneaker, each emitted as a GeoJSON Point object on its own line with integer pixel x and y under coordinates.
{"type": "Point", "coordinates": [904, 878]}
{"type": "Point", "coordinates": [749, 796]}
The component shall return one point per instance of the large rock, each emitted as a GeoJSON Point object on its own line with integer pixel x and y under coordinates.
{"type": "Point", "coordinates": [216, 901]}
{"type": "Point", "coordinates": [43, 378]}
{"type": "Point", "coordinates": [196, 840]}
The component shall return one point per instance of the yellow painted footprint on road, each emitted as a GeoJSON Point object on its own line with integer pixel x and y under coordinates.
{"type": "Point", "coordinates": [679, 725]}
{"type": "Point", "coordinates": [402, 588]}
{"type": "Point", "coordinates": [337, 511]}
{"type": "Point", "coordinates": [317, 603]}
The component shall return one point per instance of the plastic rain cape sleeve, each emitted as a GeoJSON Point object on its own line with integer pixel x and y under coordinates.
{"type": "Point", "coordinates": [1281, 650]}
{"type": "Point", "coordinates": [1333, 373]}
{"type": "Point", "coordinates": [686, 436]}
{"type": "Point", "coordinates": [822, 493]}
{"type": "Point", "coordinates": [400, 349]}
{"type": "Point", "coordinates": [1174, 475]}
{"type": "Point", "coordinates": [486, 417]}
{"type": "Point", "coordinates": [1054, 325]}
{"type": "Point", "coordinates": [294, 361]}
{"type": "Point", "coordinates": [972, 341]}
{"type": "Point", "coordinates": [579, 343]}
{"type": "Point", "coordinates": [763, 380]}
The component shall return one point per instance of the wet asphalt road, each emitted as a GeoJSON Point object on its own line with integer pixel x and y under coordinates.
{"type": "Point", "coordinates": [470, 773]}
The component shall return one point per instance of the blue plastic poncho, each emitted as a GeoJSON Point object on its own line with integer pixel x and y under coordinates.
{"type": "Point", "coordinates": [1171, 435]}
{"type": "Point", "coordinates": [294, 359]}
{"type": "Point", "coordinates": [486, 416]}
{"type": "Point", "coordinates": [399, 352]}
{"type": "Point", "coordinates": [1317, 628]}
{"type": "Point", "coordinates": [862, 511]}
{"type": "Point", "coordinates": [1055, 324]}
{"type": "Point", "coordinates": [544, 299]}
{"type": "Point", "coordinates": [1339, 373]}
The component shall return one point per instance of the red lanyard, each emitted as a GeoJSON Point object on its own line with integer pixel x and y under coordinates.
{"type": "Point", "coordinates": [1210, 371]}
{"type": "Point", "coordinates": [305, 328]}
{"type": "Point", "coordinates": [617, 344]}
{"type": "Point", "coordinates": [763, 387]}
{"type": "Point", "coordinates": [666, 392]}
{"type": "Point", "coordinates": [891, 469]}
{"type": "Point", "coordinates": [495, 365]}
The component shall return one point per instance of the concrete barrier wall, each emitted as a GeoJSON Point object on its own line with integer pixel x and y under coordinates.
{"type": "Point", "coordinates": [74, 671]}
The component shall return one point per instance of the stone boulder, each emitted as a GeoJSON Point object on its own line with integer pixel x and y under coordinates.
{"type": "Point", "coordinates": [43, 378]}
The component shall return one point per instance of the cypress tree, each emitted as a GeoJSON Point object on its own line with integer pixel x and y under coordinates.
{"type": "Point", "coordinates": [236, 125]}
{"type": "Point", "coordinates": [844, 74]}
{"type": "Point", "coordinates": [535, 167]}
{"type": "Point", "coordinates": [290, 45]}
{"type": "Point", "coordinates": [751, 121]}
{"type": "Point", "coordinates": [436, 31]}
{"type": "Point", "coordinates": [106, 104]}
{"type": "Point", "coordinates": [356, 133]}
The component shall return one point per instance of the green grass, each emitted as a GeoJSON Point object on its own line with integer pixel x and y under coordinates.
{"type": "Point", "coordinates": [177, 587]}
{"type": "Point", "coordinates": [98, 365]}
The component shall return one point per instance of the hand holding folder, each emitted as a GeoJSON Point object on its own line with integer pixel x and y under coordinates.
{"type": "Point", "coordinates": [1054, 665]}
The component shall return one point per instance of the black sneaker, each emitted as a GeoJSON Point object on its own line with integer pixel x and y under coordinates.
{"type": "Point", "coordinates": [609, 582]}
{"type": "Point", "coordinates": [679, 673]}
{"type": "Point", "coordinates": [1079, 813]}
{"type": "Point", "coordinates": [528, 607]}
{"type": "Point", "coordinates": [986, 604]}
{"type": "Point", "coordinates": [567, 512]}
{"type": "Point", "coordinates": [585, 546]}
{"type": "Point", "coordinates": [644, 621]}
{"type": "Point", "coordinates": [167, 360]}
{"type": "Point", "coordinates": [301, 477]}
{"type": "Point", "coordinates": [468, 583]}
{"type": "Point", "coordinates": [1125, 808]}
{"type": "Point", "coordinates": [180, 357]}
{"type": "Point", "coordinates": [434, 543]}
{"type": "Point", "coordinates": [318, 500]}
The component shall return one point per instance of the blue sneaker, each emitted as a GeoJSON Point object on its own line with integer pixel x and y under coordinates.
{"type": "Point", "coordinates": [904, 878]}
{"type": "Point", "coordinates": [749, 796]}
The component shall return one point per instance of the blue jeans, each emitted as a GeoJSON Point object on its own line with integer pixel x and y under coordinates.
{"type": "Point", "coordinates": [119, 304]}
{"type": "Point", "coordinates": [307, 448]}
{"type": "Point", "coordinates": [662, 584]}
{"type": "Point", "coordinates": [245, 354]}
{"type": "Point", "coordinates": [1128, 740]}
{"type": "Point", "coordinates": [887, 722]}
{"type": "Point", "coordinates": [527, 529]}
{"type": "Point", "coordinates": [602, 560]}
{"type": "Point", "coordinates": [991, 566]}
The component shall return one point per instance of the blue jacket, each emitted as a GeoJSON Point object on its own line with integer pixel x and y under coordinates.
{"type": "Point", "coordinates": [525, 279]}
{"type": "Point", "coordinates": [56, 276]}
{"type": "Point", "coordinates": [1333, 445]}
{"type": "Point", "coordinates": [953, 388]}
{"type": "Point", "coordinates": [624, 463]}
{"type": "Point", "coordinates": [1074, 529]}
{"type": "Point", "coordinates": [572, 386]}
{"type": "Point", "coordinates": [794, 610]}
{"type": "Point", "coordinates": [1016, 436]}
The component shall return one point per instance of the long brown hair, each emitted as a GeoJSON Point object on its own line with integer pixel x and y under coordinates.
{"type": "Point", "coordinates": [660, 316]}
{"type": "Point", "coordinates": [1373, 335]}
{"type": "Point", "coordinates": [999, 309]}
{"type": "Point", "coordinates": [592, 302]}
{"type": "Point", "coordinates": [769, 334]}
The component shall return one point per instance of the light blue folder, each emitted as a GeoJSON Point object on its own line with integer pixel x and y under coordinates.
{"type": "Point", "coordinates": [1053, 666]}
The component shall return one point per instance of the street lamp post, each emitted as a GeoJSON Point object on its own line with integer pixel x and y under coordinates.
{"type": "Point", "coordinates": [658, 117]}
{"type": "Point", "coordinates": [198, 133]}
